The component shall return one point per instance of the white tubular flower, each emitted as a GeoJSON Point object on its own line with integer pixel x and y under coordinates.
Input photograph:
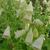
{"type": "Point", "coordinates": [29, 37]}
{"type": "Point", "coordinates": [38, 22]}
{"type": "Point", "coordinates": [29, 12]}
{"type": "Point", "coordinates": [6, 33]}
{"type": "Point", "coordinates": [44, 1]}
{"type": "Point", "coordinates": [29, 7]}
{"type": "Point", "coordinates": [39, 42]}
{"type": "Point", "coordinates": [48, 4]}
{"type": "Point", "coordinates": [22, 1]}
{"type": "Point", "coordinates": [19, 33]}
{"type": "Point", "coordinates": [48, 9]}
{"type": "Point", "coordinates": [1, 10]}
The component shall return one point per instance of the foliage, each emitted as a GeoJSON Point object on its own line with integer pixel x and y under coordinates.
{"type": "Point", "coordinates": [12, 15]}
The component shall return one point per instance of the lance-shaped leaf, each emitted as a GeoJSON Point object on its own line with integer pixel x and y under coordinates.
{"type": "Point", "coordinates": [19, 33]}
{"type": "Point", "coordinates": [29, 37]}
{"type": "Point", "coordinates": [29, 12]}
{"type": "Point", "coordinates": [38, 22]}
{"type": "Point", "coordinates": [35, 32]}
{"type": "Point", "coordinates": [27, 26]}
{"type": "Point", "coordinates": [6, 33]}
{"type": "Point", "coordinates": [39, 42]}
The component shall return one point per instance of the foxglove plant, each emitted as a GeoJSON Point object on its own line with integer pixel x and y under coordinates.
{"type": "Point", "coordinates": [23, 18]}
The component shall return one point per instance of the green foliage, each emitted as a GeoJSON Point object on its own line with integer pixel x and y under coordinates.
{"type": "Point", "coordinates": [12, 15]}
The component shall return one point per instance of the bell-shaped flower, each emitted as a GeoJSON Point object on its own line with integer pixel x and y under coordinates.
{"type": "Point", "coordinates": [48, 6]}
{"type": "Point", "coordinates": [19, 33]}
{"type": "Point", "coordinates": [22, 1]}
{"type": "Point", "coordinates": [6, 33]}
{"type": "Point", "coordinates": [29, 12]}
{"type": "Point", "coordinates": [44, 1]}
{"type": "Point", "coordinates": [39, 42]}
{"type": "Point", "coordinates": [29, 37]}
{"type": "Point", "coordinates": [29, 7]}
{"type": "Point", "coordinates": [38, 22]}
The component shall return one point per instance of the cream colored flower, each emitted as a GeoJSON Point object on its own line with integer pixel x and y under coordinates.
{"type": "Point", "coordinates": [48, 6]}
{"type": "Point", "coordinates": [19, 33]}
{"type": "Point", "coordinates": [38, 22]}
{"type": "Point", "coordinates": [44, 1]}
{"type": "Point", "coordinates": [29, 37]}
{"type": "Point", "coordinates": [22, 1]}
{"type": "Point", "coordinates": [6, 33]}
{"type": "Point", "coordinates": [39, 42]}
{"type": "Point", "coordinates": [29, 7]}
{"type": "Point", "coordinates": [29, 12]}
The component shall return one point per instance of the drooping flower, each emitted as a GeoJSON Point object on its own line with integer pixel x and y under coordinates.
{"type": "Point", "coordinates": [29, 37]}
{"type": "Point", "coordinates": [29, 11]}
{"type": "Point", "coordinates": [38, 22]}
{"type": "Point", "coordinates": [22, 1]}
{"type": "Point", "coordinates": [19, 33]}
{"type": "Point", "coordinates": [39, 42]}
{"type": "Point", "coordinates": [44, 1]}
{"type": "Point", "coordinates": [29, 8]}
{"type": "Point", "coordinates": [6, 33]}
{"type": "Point", "coordinates": [48, 6]}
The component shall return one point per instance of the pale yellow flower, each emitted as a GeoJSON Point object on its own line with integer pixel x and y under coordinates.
{"type": "Point", "coordinates": [19, 33]}
{"type": "Point", "coordinates": [6, 33]}
{"type": "Point", "coordinates": [44, 1]}
{"type": "Point", "coordinates": [29, 12]}
{"type": "Point", "coordinates": [48, 6]}
{"type": "Point", "coordinates": [38, 22]}
{"type": "Point", "coordinates": [39, 42]}
{"type": "Point", "coordinates": [29, 37]}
